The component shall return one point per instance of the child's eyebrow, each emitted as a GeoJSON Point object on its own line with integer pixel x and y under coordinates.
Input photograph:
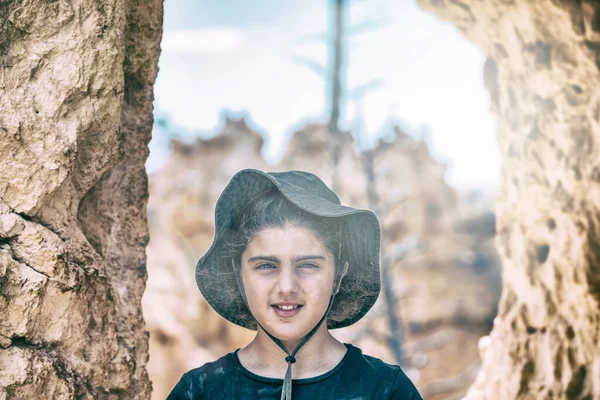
{"type": "Point", "coordinates": [276, 260]}
{"type": "Point", "coordinates": [264, 258]}
{"type": "Point", "coordinates": [311, 257]}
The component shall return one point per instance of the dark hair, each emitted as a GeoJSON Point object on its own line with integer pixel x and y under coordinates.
{"type": "Point", "coordinates": [272, 209]}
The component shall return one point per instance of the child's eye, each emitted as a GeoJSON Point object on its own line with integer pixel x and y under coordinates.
{"type": "Point", "coordinates": [309, 266]}
{"type": "Point", "coordinates": [265, 266]}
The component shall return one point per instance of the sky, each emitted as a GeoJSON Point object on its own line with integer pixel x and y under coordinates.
{"type": "Point", "coordinates": [244, 57]}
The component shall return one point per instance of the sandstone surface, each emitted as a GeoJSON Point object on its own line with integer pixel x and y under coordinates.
{"type": "Point", "coordinates": [76, 81]}
{"type": "Point", "coordinates": [542, 72]}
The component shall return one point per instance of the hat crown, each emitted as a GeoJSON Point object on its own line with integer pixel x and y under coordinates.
{"type": "Point", "coordinates": [309, 182]}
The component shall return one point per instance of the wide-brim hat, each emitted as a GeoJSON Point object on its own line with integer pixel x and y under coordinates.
{"type": "Point", "coordinates": [360, 241]}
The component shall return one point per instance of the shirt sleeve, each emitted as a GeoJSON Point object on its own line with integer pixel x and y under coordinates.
{"type": "Point", "coordinates": [403, 388]}
{"type": "Point", "coordinates": [182, 391]}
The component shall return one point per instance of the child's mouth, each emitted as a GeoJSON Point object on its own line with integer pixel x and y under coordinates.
{"type": "Point", "coordinates": [286, 311]}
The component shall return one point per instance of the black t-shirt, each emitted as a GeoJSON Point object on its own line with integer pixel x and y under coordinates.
{"type": "Point", "coordinates": [357, 376]}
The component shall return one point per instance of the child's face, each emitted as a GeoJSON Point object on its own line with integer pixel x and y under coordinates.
{"type": "Point", "coordinates": [285, 268]}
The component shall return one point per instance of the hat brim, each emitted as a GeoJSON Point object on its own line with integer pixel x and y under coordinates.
{"type": "Point", "coordinates": [360, 287]}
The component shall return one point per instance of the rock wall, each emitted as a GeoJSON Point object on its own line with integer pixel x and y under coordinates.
{"type": "Point", "coordinates": [542, 72]}
{"type": "Point", "coordinates": [76, 84]}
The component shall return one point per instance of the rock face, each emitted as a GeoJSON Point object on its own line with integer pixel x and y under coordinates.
{"type": "Point", "coordinates": [76, 84]}
{"type": "Point", "coordinates": [440, 320]}
{"type": "Point", "coordinates": [542, 72]}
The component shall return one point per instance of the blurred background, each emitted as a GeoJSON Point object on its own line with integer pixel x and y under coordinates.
{"type": "Point", "coordinates": [382, 101]}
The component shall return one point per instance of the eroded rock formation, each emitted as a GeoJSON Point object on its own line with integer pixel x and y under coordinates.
{"type": "Point", "coordinates": [445, 291]}
{"type": "Point", "coordinates": [76, 82]}
{"type": "Point", "coordinates": [542, 72]}
{"type": "Point", "coordinates": [184, 331]}
{"type": "Point", "coordinates": [441, 320]}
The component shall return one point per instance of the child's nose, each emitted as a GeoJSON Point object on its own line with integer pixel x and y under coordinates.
{"type": "Point", "coordinates": [287, 281]}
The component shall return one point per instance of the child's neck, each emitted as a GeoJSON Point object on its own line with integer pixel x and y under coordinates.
{"type": "Point", "coordinates": [318, 356]}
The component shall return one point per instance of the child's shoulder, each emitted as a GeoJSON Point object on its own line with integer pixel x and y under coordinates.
{"type": "Point", "coordinates": [219, 367]}
{"type": "Point", "coordinates": [383, 375]}
{"type": "Point", "coordinates": [374, 363]}
{"type": "Point", "coordinates": [204, 379]}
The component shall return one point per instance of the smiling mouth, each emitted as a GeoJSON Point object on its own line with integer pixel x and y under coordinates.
{"type": "Point", "coordinates": [286, 310]}
{"type": "Point", "coordinates": [287, 307]}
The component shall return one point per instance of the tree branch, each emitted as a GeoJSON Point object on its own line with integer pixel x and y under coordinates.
{"type": "Point", "coordinates": [362, 90]}
{"type": "Point", "coordinates": [367, 26]}
{"type": "Point", "coordinates": [313, 65]}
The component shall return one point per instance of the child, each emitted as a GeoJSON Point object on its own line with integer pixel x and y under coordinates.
{"type": "Point", "coordinates": [290, 262]}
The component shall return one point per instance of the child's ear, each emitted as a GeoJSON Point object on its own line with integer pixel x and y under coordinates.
{"type": "Point", "coordinates": [343, 275]}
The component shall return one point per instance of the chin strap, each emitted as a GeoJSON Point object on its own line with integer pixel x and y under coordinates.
{"type": "Point", "coordinates": [286, 390]}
